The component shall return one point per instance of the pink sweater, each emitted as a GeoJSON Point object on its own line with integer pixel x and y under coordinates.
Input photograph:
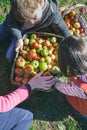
{"type": "Point", "coordinates": [9, 101]}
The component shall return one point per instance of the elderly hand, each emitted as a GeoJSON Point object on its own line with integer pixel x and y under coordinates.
{"type": "Point", "coordinates": [19, 45]}
{"type": "Point", "coordinates": [42, 82]}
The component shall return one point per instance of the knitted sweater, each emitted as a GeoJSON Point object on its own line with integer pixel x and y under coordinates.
{"type": "Point", "coordinates": [9, 101]}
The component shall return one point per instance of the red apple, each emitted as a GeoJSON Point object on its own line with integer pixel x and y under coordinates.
{"type": "Point", "coordinates": [19, 71]}
{"type": "Point", "coordinates": [24, 80]}
{"type": "Point", "coordinates": [18, 79]}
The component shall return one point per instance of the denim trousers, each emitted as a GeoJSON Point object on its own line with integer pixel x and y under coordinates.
{"type": "Point", "coordinates": [4, 34]}
{"type": "Point", "coordinates": [16, 119]}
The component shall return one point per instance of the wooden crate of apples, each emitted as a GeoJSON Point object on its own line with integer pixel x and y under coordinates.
{"type": "Point", "coordinates": [74, 17]}
{"type": "Point", "coordinates": [39, 54]}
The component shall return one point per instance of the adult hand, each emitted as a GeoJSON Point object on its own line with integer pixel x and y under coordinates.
{"type": "Point", "coordinates": [42, 82]}
{"type": "Point", "coordinates": [19, 45]}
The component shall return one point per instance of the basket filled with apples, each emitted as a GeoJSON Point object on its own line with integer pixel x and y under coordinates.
{"type": "Point", "coordinates": [39, 53]}
{"type": "Point", "coordinates": [75, 17]}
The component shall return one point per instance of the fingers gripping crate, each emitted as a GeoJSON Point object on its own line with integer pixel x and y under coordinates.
{"type": "Point", "coordinates": [75, 17]}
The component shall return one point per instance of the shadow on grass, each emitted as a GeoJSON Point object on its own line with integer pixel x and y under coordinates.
{"type": "Point", "coordinates": [46, 106]}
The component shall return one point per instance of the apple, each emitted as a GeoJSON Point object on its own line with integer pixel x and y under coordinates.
{"type": "Point", "coordinates": [20, 61]}
{"type": "Point", "coordinates": [24, 80]}
{"type": "Point", "coordinates": [76, 25]}
{"type": "Point", "coordinates": [52, 56]}
{"type": "Point", "coordinates": [35, 64]}
{"type": "Point", "coordinates": [47, 73]}
{"type": "Point", "coordinates": [46, 43]}
{"type": "Point", "coordinates": [50, 52]}
{"type": "Point", "coordinates": [18, 79]}
{"type": "Point", "coordinates": [44, 52]}
{"type": "Point", "coordinates": [28, 69]}
{"type": "Point", "coordinates": [72, 13]}
{"type": "Point", "coordinates": [49, 66]}
{"type": "Point", "coordinates": [33, 50]}
{"type": "Point", "coordinates": [19, 71]}
{"type": "Point", "coordinates": [75, 19]}
{"type": "Point", "coordinates": [42, 59]}
{"type": "Point", "coordinates": [23, 53]}
{"type": "Point", "coordinates": [34, 36]}
{"type": "Point", "coordinates": [26, 41]}
{"type": "Point", "coordinates": [81, 29]}
{"type": "Point", "coordinates": [33, 74]}
{"type": "Point", "coordinates": [31, 41]}
{"type": "Point", "coordinates": [39, 50]}
{"type": "Point", "coordinates": [35, 45]}
{"type": "Point", "coordinates": [55, 70]}
{"type": "Point", "coordinates": [48, 59]}
{"type": "Point", "coordinates": [77, 32]}
{"type": "Point", "coordinates": [26, 48]}
{"type": "Point", "coordinates": [82, 34]}
{"type": "Point", "coordinates": [71, 31]}
{"type": "Point", "coordinates": [40, 40]}
{"type": "Point", "coordinates": [31, 55]}
{"type": "Point", "coordinates": [68, 25]}
{"type": "Point", "coordinates": [53, 39]}
{"type": "Point", "coordinates": [67, 20]}
{"type": "Point", "coordinates": [40, 45]}
{"type": "Point", "coordinates": [43, 66]}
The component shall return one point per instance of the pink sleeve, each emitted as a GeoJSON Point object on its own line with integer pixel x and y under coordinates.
{"type": "Point", "coordinates": [9, 101]}
{"type": "Point", "coordinates": [70, 89]}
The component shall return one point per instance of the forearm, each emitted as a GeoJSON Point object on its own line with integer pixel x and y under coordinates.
{"type": "Point", "coordinates": [11, 100]}
{"type": "Point", "coordinates": [70, 89]}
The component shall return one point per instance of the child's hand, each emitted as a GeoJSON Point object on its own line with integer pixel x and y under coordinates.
{"type": "Point", "coordinates": [43, 82]}
{"type": "Point", "coordinates": [19, 45]}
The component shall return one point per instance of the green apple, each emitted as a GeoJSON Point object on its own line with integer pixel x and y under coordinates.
{"type": "Point", "coordinates": [49, 66]}
{"type": "Point", "coordinates": [49, 52]}
{"type": "Point", "coordinates": [48, 59]}
{"type": "Point", "coordinates": [55, 70]}
{"type": "Point", "coordinates": [33, 50]}
{"type": "Point", "coordinates": [71, 31]}
{"type": "Point", "coordinates": [39, 50]}
{"type": "Point", "coordinates": [31, 41]}
{"type": "Point", "coordinates": [33, 36]}
{"type": "Point", "coordinates": [43, 66]}
{"type": "Point", "coordinates": [77, 32]}
{"type": "Point", "coordinates": [40, 45]}
{"type": "Point", "coordinates": [53, 39]}
{"type": "Point", "coordinates": [76, 25]}
{"type": "Point", "coordinates": [44, 52]}
{"type": "Point", "coordinates": [42, 59]}
{"type": "Point", "coordinates": [35, 64]}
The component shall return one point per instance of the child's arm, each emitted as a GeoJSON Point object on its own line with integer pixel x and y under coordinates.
{"type": "Point", "coordinates": [70, 89]}
{"type": "Point", "coordinates": [9, 101]}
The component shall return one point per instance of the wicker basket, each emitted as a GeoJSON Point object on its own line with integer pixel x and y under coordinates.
{"type": "Point", "coordinates": [81, 14]}
{"type": "Point", "coordinates": [40, 34]}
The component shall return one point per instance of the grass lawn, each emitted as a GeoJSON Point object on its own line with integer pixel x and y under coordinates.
{"type": "Point", "coordinates": [51, 110]}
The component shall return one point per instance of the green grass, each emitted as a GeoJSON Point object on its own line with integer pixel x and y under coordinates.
{"type": "Point", "coordinates": [51, 110]}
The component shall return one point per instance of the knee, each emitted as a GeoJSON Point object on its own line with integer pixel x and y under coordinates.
{"type": "Point", "coordinates": [29, 115]}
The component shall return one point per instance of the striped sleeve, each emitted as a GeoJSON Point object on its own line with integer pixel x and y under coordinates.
{"type": "Point", "coordinates": [70, 89]}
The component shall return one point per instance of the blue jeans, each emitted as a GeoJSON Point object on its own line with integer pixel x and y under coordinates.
{"type": "Point", "coordinates": [11, 49]}
{"type": "Point", "coordinates": [16, 119]}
